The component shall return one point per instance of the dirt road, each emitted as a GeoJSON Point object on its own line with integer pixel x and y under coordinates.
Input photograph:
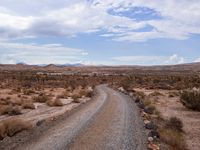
{"type": "Point", "coordinates": [109, 122]}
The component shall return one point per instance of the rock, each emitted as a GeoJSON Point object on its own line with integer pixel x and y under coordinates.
{"type": "Point", "coordinates": [149, 110]}
{"type": "Point", "coordinates": [152, 146]}
{"type": "Point", "coordinates": [141, 105]}
{"type": "Point", "coordinates": [121, 89]}
{"type": "Point", "coordinates": [137, 100]}
{"type": "Point", "coordinates": [144, 115]}
{"type": "Point", "coordinates": [125, 92]}
{"type": "Point", "coordinates": [146, 121]}
{"type": "Point", "coordinates": [90, 89]}
{"type": "Point", "coordinates": [131, 94]}
{"type": "Point", "coordinates": [40, 122]}
{"type": "Point", "coordinates": [154, 134]}
{"type": "Point", "coordinates": [150, 139]}
{"type": "Point", "coordinates": [151, 126]}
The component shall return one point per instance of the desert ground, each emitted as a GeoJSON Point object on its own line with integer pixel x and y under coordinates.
{"type": "Point", "coordinates": [99, 107]}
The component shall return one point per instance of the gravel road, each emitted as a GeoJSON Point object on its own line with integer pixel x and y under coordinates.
{"type": "Point", "coordinates": [109, 122]}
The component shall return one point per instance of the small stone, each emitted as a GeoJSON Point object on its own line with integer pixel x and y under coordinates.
{"type": "Point", "coordinates": [121, 89]}
{"type": "Point", "coordinates": [131, 94]}
{"type": "Point", "coordinates": [148, 110]}
{"type": "Point", "coordinates": [141, 105]}
{"type": "Point", "coordinates": [154, 134]}
{"type": "Point", "coordinates": [146, 121]}
{"type": "Point", "coordinates": [150, 139]}
{"type": "Point", "coordinates": [137, 100]}
{"type": "Point", "coordinates": [40, 122]}
{"type": "Point", "coordinates": [151, 126]}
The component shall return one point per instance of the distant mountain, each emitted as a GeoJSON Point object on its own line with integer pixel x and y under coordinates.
{"type": "Point", "coordinates": [60, 65]}
{"type": "Point", "coordinates": [57, 67]}
{"type": "Point", "coordinates": [179, 67]}
{"type": "Point", "coordinates": [73, 65]}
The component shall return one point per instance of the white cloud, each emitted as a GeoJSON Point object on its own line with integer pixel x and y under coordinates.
{"type": "Point", "coordinates": [149, 60]}
{"type": "Point", "coordinates": [175, 59]}
{"type": "Point", "coordinates": [179, 19]}
{"type": "Point", "coordinates": [39, 54]}
{"type": "Point", "coordinates": [197, 60]}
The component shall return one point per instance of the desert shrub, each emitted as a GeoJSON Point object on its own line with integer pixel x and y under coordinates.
{"type": "Point", "coordinates": [12, 126]}
{"type": "Point", "coordinates": [146, 102]}
{"type": "Point", "coordinates": [16, 102]}
{"type": "Point", "coordinates": [28, 91]}
{"type": "Point", "coordinates": [140, 94]}
{"type": "Point", "coordinates": [4, 101]}
{"type": "Point", "coordinates": [10, 110]}
{"type": "Point", "coordinates": [17, 90]}
{"type": "Point", "coordinates": [5, 109]}
{"type": "Point", "coordinates": [58, 102]}
{"type": "Point", "coordinates": [50, 103]}
{"type": "Point", "coordinates": [8, 98]}
{"type": "Point", "coordinates": [76, 98]}
{"type": "Point", "coordinates": [28, 105]}
{"type": "Point", "coordinates": [126, 84]}
{"type": "Point", "coordinates": [55, 102]}
{"type": "Point", "coordinates": [2, 131]}
{"type": "Point", "coordinates": [60, 96]}
{"type": "Point", "coordinates": [41, 98]}
{"type": "Point", "coordinates": [79, 93]}
{"type": "Point", "coordinates": [85, 93]}
{"type": "Point", "coordinates": [173, 138]}
{"type": "Point", "coordinates": [191, 99]}
{"type": "Point", "coordinates": [15, 111]}
{"type": "Point", "coordinates": [174, 123]}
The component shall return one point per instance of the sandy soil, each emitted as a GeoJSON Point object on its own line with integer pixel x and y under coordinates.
{"type": "Point", "coordinates": [171, 106]}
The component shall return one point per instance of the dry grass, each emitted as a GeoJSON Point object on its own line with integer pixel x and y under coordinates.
{"type": "Point", "coordinates": [170, 131]}
{"type": "Point", "coordinates": [55, 102]}
{"type": "Point", "coordinates": [28, 105]}
{"type": "Point", "coordinates": [76, 98]}
{"type": "Point", "coordinates": [80, 93]}
{"type": "Point", "coordinates": [191, 99]}
{"type": "Point", "coordinates": [151, 109]}
{"type": "Point", "coordinates": [28, 91]}
{"type": "Point", "coordinates": [173, 138]}
{"type": "Point", "coordinates": [175, 124]}
{"type": "Point", "coordinates": [16, 102]}
{"type": "Point", "coordinates": [41, 98]}
{"type": "Point", "coordinates": [5, 109]}
{"type": "Point", "coordinates": [10, 110]}
{"type": "Point", "coordinates": [13, 126]}
{"type": "Point", "coordinates": [61, 96]}
{"type": "Point", "coordinates": [4, 101]}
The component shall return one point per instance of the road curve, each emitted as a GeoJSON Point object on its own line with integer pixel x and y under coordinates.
{"type": "Point", "coordinates": [110, 122]}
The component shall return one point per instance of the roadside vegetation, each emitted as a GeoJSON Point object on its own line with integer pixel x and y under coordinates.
{"type": "Point", "coordinates": [162, 133]}
{"type": "Point", "coordinates": [30, 91]}
{"type": "Point", "coordinates": [191, 99]}
{"type": "Point", "coordinates": [11, 127]}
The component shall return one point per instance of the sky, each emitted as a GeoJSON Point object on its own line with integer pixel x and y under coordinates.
{"type": "Point", "coordinates": [100, 32]}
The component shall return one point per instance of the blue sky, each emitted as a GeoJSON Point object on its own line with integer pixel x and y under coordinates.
{"type": "Point", "coordinates": [94, 32]}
